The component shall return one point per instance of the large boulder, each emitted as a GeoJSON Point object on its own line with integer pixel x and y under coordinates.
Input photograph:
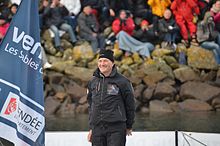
{"type": "Point", "coordinates": [57, 88]}
{"type": "Point", "coordinates": [158, 65]}
{"type": "Point", "coordinates": [93, 64]}
{"type": "Point", "coordinates": [79, 73]}
{"type": "Point", "coordinates": [216, 103]}
{"type": "Point", "coordinates": [61, 96]}
{"type": "Point", "coordinates": [126, 60]}
{"type": "Point", "coordinates": [164, 90]}
{"type": "Point", "coordinates": [170, 60]}
{"type": "Point", "coordinates": [154, 77]}
{"type": "Point", "coordinates": [159, 106]}
{"type": "Point", "coordinates": [208, 76]}
{"type": "Point", "coordinates": [60, 66]}
{"type": "Point", "coordinates": [185, 74]}
{"type": "Point", "coordinates": [52, 105]}
{"type": "Point", "coordinates": [55, 78]}
{"type": "Point", "coordinates": [137, 59]}
{"type": "Point", "coordinates": [199, 90]}
{"type": "Point", "coordinates": [53, 59]}
{"type": "Point", "coordinates": [74, 90]}
{"type": "Point", "coordinates": [148, 93]}
{"type": "Point", "coordinates": [194, 105]}
{"type": "Point", "coordinates": [67, 108]}
{"type": "Point", "coordinates": [144, 110]}
{"type": "Point", "coordinates": [201, 58]}
{"type": "Point", "coordinates": [82, 109]}
{"type": "Point", "coordinates": [46, 36]}
{"type": "Point", "coordinates": [68, 54]}
{"type": "Point", "coordinates": [83, 51]}
{"type": "Point", "coordinates": [138, 90]}
{"type": "Point", "coordinates": [49, 48]}
{"type": "Point", "coordinates": [66, 44]}
{"type": "Point", "coordinates": [175, 106]}
{"type": "Point", "coordinates": [83, 100]}
{"type": "Point", "coordinates": [162, 66]}
{"type": "Point", "coordinates": [161, 52]}
{"type": "Point", "coordinates": [135, 80]}
{"type": "Point", "coordinates": [139, 73]}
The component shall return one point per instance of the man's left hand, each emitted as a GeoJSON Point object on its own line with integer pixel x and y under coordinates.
{"type": "Point", "coordinates": [129, 132]}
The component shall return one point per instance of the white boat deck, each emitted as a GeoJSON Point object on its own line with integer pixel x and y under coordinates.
{"type": "Point", "coordinates": [165, 138]}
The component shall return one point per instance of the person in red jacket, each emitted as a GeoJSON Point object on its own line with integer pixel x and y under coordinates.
{"type": "Point", "coordinates": [184, 12]}
{"type": "Point", "coordinates": [123, 23]}
{"type": "Point", "coordinates": [3, 26]}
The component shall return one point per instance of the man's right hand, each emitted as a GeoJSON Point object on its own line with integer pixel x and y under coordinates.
{"type": "Point", "coordinates": [89, 136]}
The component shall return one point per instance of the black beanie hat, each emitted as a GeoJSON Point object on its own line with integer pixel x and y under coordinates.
{"type": "Point", "coordinates": [109, 54]}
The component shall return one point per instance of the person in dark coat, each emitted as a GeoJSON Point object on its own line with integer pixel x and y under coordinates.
{"type": "Point", "coordinates": [146, 33]}
{"type": "Point", "coordinates": [142, 10]}
{"type": "Point", "coordinates": [53, 15]}
{"type": "Point", "coordinates": [89, 29]}
{"type": "Point", "coordinates": [111, 104]}
{"type": "Point", "coordinates": [168, 29]}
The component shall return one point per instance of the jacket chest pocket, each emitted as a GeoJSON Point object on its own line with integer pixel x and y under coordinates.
{"type": "Point", "coordinates": [112, 89]}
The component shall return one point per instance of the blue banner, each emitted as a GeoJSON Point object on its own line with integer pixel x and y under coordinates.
{"type": "Point", "coordinates": [21, 85]}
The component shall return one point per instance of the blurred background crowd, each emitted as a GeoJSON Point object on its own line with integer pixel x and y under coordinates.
{"type": "Point", "coordinates": [135, 25]}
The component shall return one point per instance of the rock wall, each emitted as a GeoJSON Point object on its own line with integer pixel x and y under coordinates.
{"type": "Point", "coordinates": [160, 84]}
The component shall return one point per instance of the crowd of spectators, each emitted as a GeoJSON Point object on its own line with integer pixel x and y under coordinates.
{"type": "Point", "coordinates": [137, 25]}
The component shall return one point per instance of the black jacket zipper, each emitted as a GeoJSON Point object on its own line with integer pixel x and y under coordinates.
{"type": "Point", "coordinates": [103, 80]}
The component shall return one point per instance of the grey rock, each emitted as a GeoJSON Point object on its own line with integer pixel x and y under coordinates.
{"type": "Point", "coordinates": [201, 58]}
{"type": "Point", "coordinates": [148, 93]}
{"type": "Point", "coordinates": [79, 73]}
{"type": "Point", "coordinates": [199, 90]}
{"type": "Point", "coordinates": [138, 90]}
{"type": "Point", "coordinates": [216, 102]}
{"type": "Point", "coordinates": [194, 105]}
{"type": "Point", "coordinates": [83, 100]}
{"type": "Point", "coordinates": [62, 65]}
{"type": "Point", "coordinates": [209, 76]}
{"type": "Point", "coordinates": [74, 90]}
{"type": "Point", "coordinates": [154, 77]}
{"type": "Point", "coordinates": [82, 108]}
{"type": "Point", "coordinates": [145, 110]}
{"type": "Point", "coordinates": [51, 106]}
{"type": "Point", "coordinates": [164, 90]}
{"type": "Point", "coordinates": [185, 74]}
{"type": "Point", "coordinates": [159, 106]}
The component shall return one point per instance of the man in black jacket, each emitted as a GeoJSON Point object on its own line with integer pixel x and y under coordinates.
{"type": "Point", "coordinates": [111, 104]}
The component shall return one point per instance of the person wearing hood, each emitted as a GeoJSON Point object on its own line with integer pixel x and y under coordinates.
{"type": "Point", "coordinates": [207, 35]}
{"type": "Point", "coordinates": [111, 104]}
